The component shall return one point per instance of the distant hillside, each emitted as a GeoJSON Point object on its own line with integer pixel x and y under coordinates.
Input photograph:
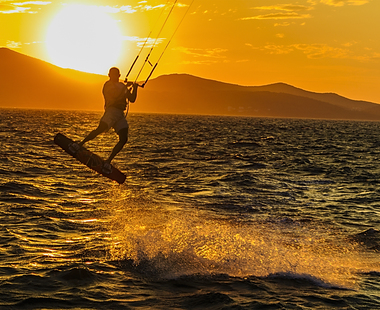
{"type": "Point", "coordinates": [27, 82]}
{"type": "Point", "coordinates": [181, 93]}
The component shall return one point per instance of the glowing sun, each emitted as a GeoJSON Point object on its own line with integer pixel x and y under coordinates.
{"type": "Point", "coordinates": [85, 38]}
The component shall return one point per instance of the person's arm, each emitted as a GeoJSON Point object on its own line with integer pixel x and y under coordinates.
{"type": "Point", "coordinates": [132, 95]}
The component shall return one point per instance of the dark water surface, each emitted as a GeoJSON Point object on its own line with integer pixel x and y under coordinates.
{"type": "Point", "coordinates": [216, 213]}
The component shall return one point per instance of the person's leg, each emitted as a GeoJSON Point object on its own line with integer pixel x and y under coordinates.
{"type": "Point", "coordinates": [123, 139]}
{"type": "Point", "coordinates": [93, 134]}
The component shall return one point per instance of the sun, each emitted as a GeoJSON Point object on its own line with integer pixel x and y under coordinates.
{"type": "Point", "coordinates": [84, 38]}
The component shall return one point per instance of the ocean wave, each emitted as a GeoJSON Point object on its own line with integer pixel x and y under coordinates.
{"type": "Point", "coordinates": [216, 212]}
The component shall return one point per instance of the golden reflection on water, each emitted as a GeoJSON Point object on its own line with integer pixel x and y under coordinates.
{"type": "Point", "coordinates": [184, 242]}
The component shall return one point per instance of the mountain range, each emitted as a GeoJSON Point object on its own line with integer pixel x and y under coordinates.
{"type": "Point", "coordinates": [27, 82]}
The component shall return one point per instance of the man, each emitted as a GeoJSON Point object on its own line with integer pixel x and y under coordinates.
{"type": "Point", "coordinates": [115, 95]}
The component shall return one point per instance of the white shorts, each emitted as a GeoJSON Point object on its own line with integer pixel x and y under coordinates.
{"type": "Point", "coordinates": [114, 118]}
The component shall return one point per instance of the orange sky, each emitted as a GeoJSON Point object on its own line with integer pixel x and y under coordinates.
{"type": "Point", "coordinates": [317, 45]}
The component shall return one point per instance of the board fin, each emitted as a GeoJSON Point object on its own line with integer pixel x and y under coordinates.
{"type": "Point", "coordinates": [88, 158]}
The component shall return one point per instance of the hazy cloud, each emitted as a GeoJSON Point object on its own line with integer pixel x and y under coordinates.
{"type": "Point", "coordinates": [312, 51]}
{"type": "Point", "coordinates": [282, 24]}
{"type": "Point", "coordinates": [11, 9]}
{"type": "Point", "coordinates": [141, 7]}
{"type": "Point", "coordinates": [281, 12]}
{"type": "Point", "coordinates": [202, 56]}
{"type": "Point", "coordinates": [32, 2]}
{"type": "Point", "coordinates": [149, 42]}
{"type": "Point", "coordinates": [215, 53]}
{"type": "Point", "coordinates": [279, 16]}
{"type": "Point", "coordinates": [285, 7]}
{"type": "Point", "coordinates": [316, 51]}
{"type": "Point", "coordinates": [20, 7]}
{"type": "Point", "coordinates": [145, 7]}
{"type": "Point", "coordinates": [344, 2]}
{"type": "Point", "coordinates": [13, 44]}
{"type": "Point", "coordinates": [26, 7]}
{"type": "Point", "coordinates": [123, 9]}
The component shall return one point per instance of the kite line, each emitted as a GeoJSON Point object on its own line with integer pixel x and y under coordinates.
{"type": "Point", "coordinates": [147, 59]}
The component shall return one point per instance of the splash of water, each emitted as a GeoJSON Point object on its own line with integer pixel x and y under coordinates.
{"type": "Point", "coordinates": [178, 242]}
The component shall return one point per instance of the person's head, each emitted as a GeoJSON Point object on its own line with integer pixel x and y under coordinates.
{"type": "Point", "coordinates": [114, 74]}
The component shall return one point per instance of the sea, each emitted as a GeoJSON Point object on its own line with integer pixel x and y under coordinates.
{"type": "Point", "coordinates": [216, 213]}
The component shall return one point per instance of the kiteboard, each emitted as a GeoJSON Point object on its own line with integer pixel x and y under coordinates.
{"type": "Point", "coordinates": [88, 158]}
